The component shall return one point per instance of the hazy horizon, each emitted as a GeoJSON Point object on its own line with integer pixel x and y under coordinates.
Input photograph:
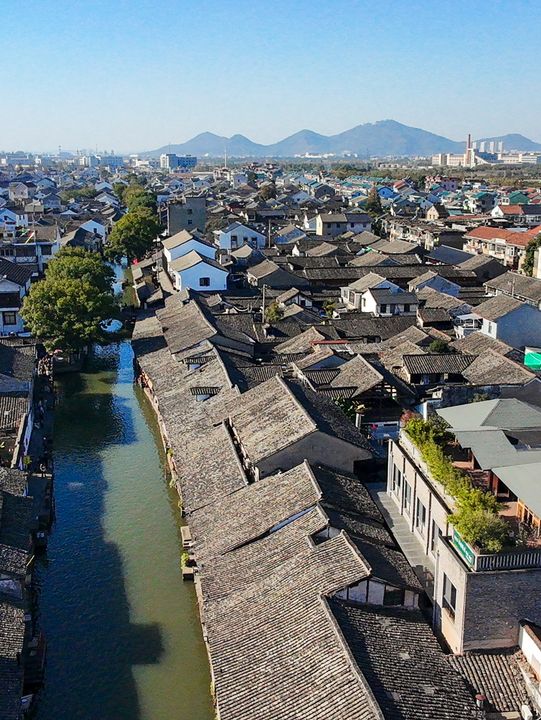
{"type": "Point", "coordinates": [136, 77]}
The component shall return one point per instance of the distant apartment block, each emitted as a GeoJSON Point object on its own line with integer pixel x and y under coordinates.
{"type": "Point", "coordinates": [171, 161]}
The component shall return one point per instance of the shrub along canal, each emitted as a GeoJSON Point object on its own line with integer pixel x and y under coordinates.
{"type": "Point", "coordinates": [123, 632]}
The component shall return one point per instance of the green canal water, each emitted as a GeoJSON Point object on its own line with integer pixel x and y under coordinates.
{"type": "Point", "coordinates": [123, 633]}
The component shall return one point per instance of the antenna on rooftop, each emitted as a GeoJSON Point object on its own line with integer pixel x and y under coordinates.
{"type": "Point", "coordinates": [225, 157]}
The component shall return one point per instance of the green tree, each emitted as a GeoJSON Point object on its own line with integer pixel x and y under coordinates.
{"type": "Point", "coordinates": [65, 309]}
{"type": "Point", "coordinates": [373, 203]}
{"type": "Point", "coordinates": [273, 313]}
{"type": "Point", "coordinates": [267, 191]}
{"type": "Point", "coordinates": [135, 196]}
{"type": "Point", "coordinates": [439, 346]}
{"type": "Point", "coordinates": [119, 188]}
{"type": "Point", "coordinates": [80, 264]}
{"type": "Point", "coordinates": [86, 193]}
{"type": "Point", "coordinates": [133, 235]}
{"type": "Point", "coordinates": [529, 256]}
{"type": "Point", "coordinates": [329, 307]}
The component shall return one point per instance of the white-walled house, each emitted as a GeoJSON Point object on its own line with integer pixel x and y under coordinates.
{"type": "Point", "coordinates": [18, 192]}
{"type": "Point", "coordinates": [95, 226]}
{"type": "Point", "coordinates": [352, 295]}
{"type": "Point", "coordinates": [386, 302]}
{"type": "Point", "coordinates": [10, 221]}
{"type": "Point", "coordinates": [14, 285]}
{"type": "Point", "coordinates": [197, 272]}
{"type": "Point", "coordinates": [337, 223]}
{"type": "Point", "coordinates": [236, 235]}
{"type": "Point", "coordinates": [184, 242]}
{"type": "Point", "coordinates": [505, 318]}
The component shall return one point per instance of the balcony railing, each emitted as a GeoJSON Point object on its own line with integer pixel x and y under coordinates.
{"type": "Point", "coordinates": [517, 558]}
{"type": "Point", "coordinates": [512, 559]}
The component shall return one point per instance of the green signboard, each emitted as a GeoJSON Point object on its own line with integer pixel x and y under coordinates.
{"type": "Point", "coordinates": [464, 550]}
{"type": "Point", "coordinates": [532, 359]}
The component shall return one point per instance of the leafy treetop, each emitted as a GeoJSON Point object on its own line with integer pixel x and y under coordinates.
{"type": "Point", "coordinates": [529, 255]}
{"type": "Point", "coordinates": [65, 309]}
{"type": "Point", "coordinates": [133, 235]}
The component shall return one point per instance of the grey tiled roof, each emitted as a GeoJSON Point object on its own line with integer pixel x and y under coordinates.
{"type": "Point", "coordinates": [17, 360]}
{"type": "Point", "coordinates": [515, 284]}
{"type": "Point", "coordinates": [495, 675]}
{"type": "Point", "coordinates": [11, 675]}
{"type": "Point", "coordinates": [493, 368]}
{"type": "Point", "coordinates": [403, 664]}
{"type": "Point", "coordinates": [437, 363]}
{"type": "Point", "coordinates": [328, 417]}
{"type": "Point", "coordinates": [477, 343]}
{"type": "Point", "coordinates": [270, 637]}
{"type": "Point", "coordinates": [497, 307]}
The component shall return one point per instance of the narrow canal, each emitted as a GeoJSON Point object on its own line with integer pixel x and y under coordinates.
{"type": "Point", "coordinates": [123, 633]}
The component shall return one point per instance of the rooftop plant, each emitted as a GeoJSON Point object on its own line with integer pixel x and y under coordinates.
{"type": "Point", "coordinates": [477, 512]}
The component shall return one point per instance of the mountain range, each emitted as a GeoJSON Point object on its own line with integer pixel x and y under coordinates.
{"type": "Point", "coordinates": [382, 138]}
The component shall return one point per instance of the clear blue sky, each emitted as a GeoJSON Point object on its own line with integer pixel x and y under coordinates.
{"type": "Point", "coordinates": [132, 75]}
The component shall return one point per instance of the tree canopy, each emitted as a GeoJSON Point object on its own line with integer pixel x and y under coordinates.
{"type": "Point", "coordinates": [80, 264]}
{"type": "Point", "coordinates": [529, 255]}
{"type": "Point", "coordinates": [133, 235]}
{"type": "Point", "coordinates": [373, 203]}
{"type": "Point", "coordinates": [273, 313]}
{"type": "Point", "coordinates": [267, 191]}
{"type": "Point", "coordinates": [65, 309]}
{"type": "Point", "coordinates": [86, 193]}
{"type": "Point", "coordinates": [135, 196]}
{"type": "Point", "coordinates": [439, 346]}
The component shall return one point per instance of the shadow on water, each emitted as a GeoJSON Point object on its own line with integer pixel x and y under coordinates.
{"type": "Point", "coordinates": [92, 644]}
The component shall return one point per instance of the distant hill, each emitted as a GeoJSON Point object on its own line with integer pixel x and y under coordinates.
{"type": "Point", "coordinates": [515, 141]}
{"type": "Point", "coordinates": [386, 137]}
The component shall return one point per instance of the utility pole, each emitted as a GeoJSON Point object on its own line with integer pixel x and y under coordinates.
{"type": "Point", "coordinates": [263, 305]}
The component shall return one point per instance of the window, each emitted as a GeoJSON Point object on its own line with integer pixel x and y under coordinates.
{"type": "Point", "coordinates": [383, 308]}
{"type": "Point", "coordinates": [407, 307]}
{"type": "Point", "coordinates": [190, 222]}
{"type": "Point", "coordinates": [420, 516]}
{"type": "Point", "coordinates": [9, 318]}
{"type": "Point", "coordinates": [393, 596]}
{"type": "Point", "coordinates": [234, 238]}
{"type": "Point", "coordinates": [449, 596]}
{"type": "Point", "coordinates": [407, 496]}
{"type": "Point", "coordinates": [396, 481]}
{"type": "Point", "coordinates": [204, 282]}
{"type": "Point", "coordinates": [189, 211]}
{"type": "Point", "coordinates": [435, 533]}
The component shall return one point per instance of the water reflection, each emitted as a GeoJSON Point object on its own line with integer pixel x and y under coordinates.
{"type": "Point", "coordinates": [120, 625]}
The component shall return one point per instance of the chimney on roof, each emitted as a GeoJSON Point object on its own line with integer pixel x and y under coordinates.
{"type": "Point", "coordinates": [480, 701]}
